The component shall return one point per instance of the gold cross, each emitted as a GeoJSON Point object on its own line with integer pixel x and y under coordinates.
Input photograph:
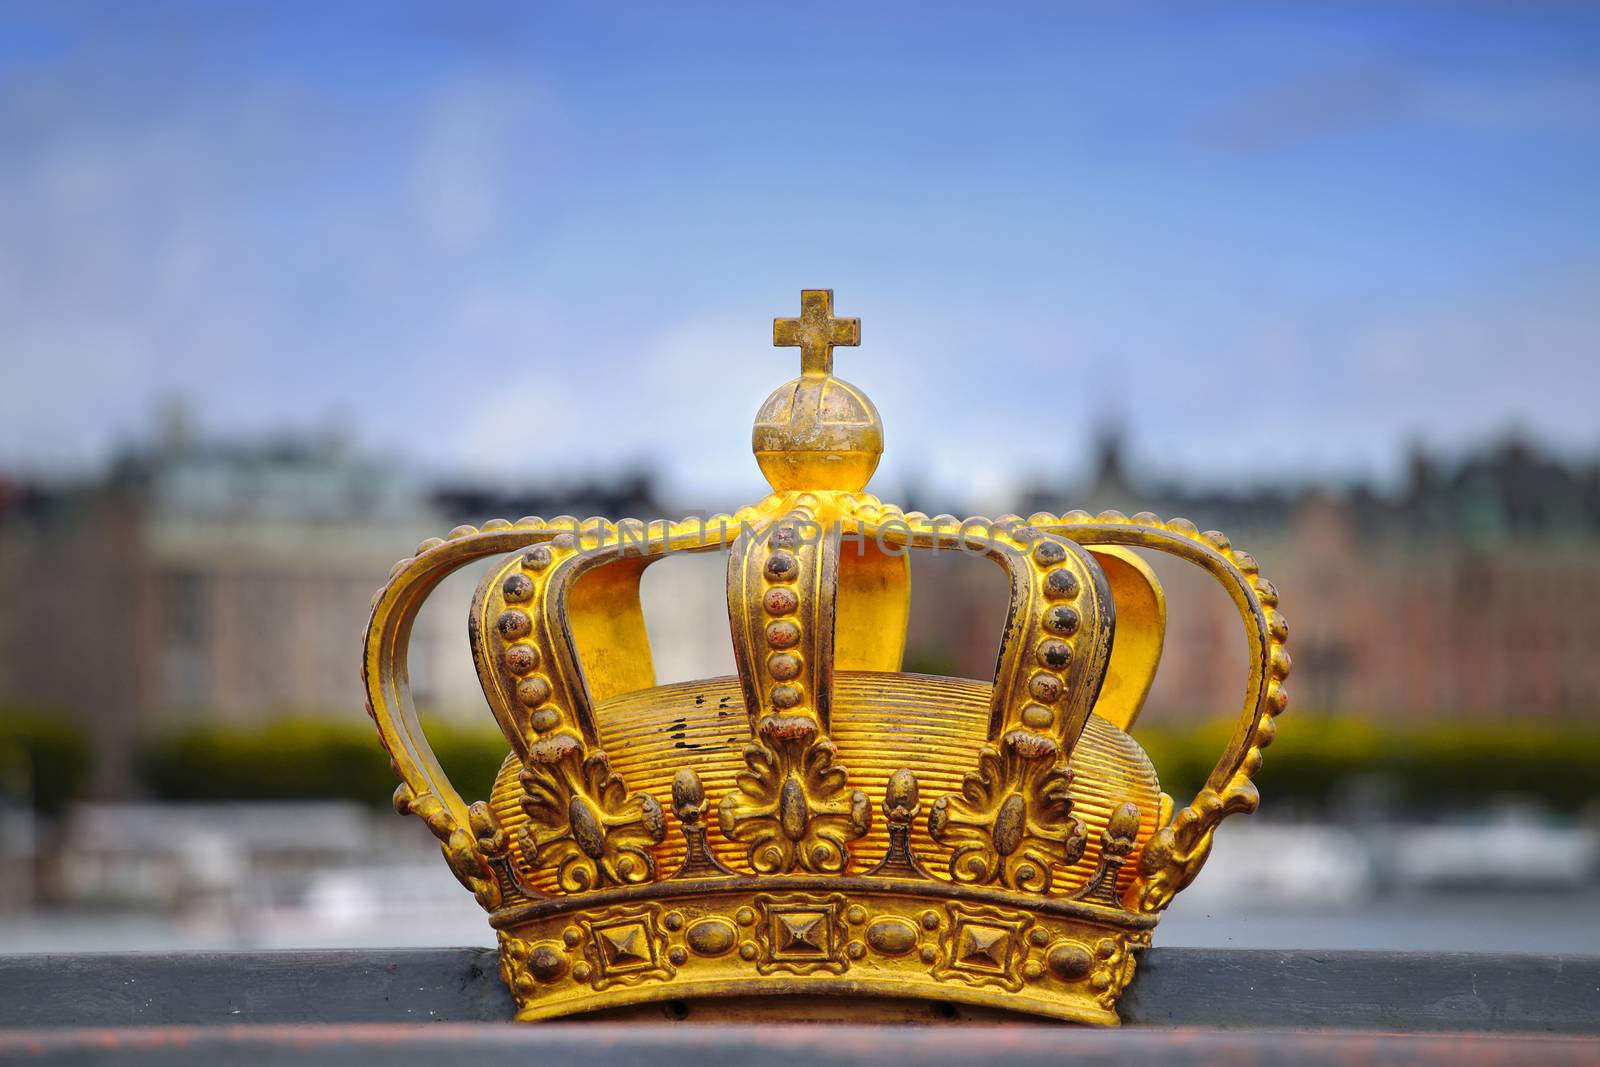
{"type": "Point", "coordinates": [816, 332]}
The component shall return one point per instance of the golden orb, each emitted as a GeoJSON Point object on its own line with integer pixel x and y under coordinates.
{"type": "Point", "coordinates": [818, 432]}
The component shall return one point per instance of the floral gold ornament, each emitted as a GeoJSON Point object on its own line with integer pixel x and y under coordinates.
{"type": "Point", "coordinates": [822, 824]}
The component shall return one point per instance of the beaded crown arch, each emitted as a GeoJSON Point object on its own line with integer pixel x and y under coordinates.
{"type": "Point", "coordinates": [998, 876]}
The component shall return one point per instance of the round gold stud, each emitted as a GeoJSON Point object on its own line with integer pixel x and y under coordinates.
{"type": "Point", "coordinates": [1061, 584]}
{"type": "Point", "coordinates": [1069, 961]}
{"type": "Point", "coordinates": [571, 936]}
{"type": "Point", "coordinates": [1037, 716]}
{"type": "Point", "coordinates": [1049, 553]}
{"type": "Point", "coordinates": [1280, 663]}
{"type": "Point", "coordinates": [855, 950]}
{"type": "Point", "coordinates": [520, 659]}
{"type": "Point", "coordinates": [1032, 971]}
{"type": "Point", "coordinates": [747, 951]}
{"type": "Point", "coordinates": [536, 558]}
{"type": "Point", "coordinates": [1045, 686]}
{"type": "Point", "coordinates": [710, 937]}
{"type": "Point", "coordinates": [745, 916]}
{"type": "Point", "coordinates": [929, 953]}
{"type": "Point", "coordinates": [677, 955]}
{"type": "Point", "coordinates": [783, 634]}
{"type": "Point", "coordinates": [855, 914]}
{"type": "Point", "coordinates": [1055, 654]}
{"type": "Point", "coordinates": [544, 720]}
{"type": "Point", "coordinates": [517, 587]}
{"type": "Point", "coordinates": [1277, 626]}
{"type": "Point", "coordinates": [892, 936]}
{"type": "Point", "coordinates": [580, 971]}
{"type": "Point", "coordinates": [533, 691]}
{"type": "Point", "coordinates": [1039, 936]}
{"type": "Point", "coordinates": [513, 624]}
{"type": "Point", "coordinates": [780, 601]}
{"type": "Point", "coordinates": [546, 963]}
{"type": "Point", "coordinates": [672, 920]}
{"type": "Point", "coordinates": [1061, 620]}
{"type": "Point", "coordinates": [930, 920]}
{"type": "Point", "coordinates": [1266, 730]}
{"type": "Point", "coordinates": [783, 666]}
{"type": "Point", "coordinates": [785, 696]}
{"type": "Point", "coordinates": [782, 567]}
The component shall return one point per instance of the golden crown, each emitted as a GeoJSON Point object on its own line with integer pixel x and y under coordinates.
{"type": "Point", "coordinates": [823, 825]}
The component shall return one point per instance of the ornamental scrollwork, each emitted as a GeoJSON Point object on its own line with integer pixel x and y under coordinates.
{"type": "Point", "coordinates": [463, 851]}
{"type": "Point", "coordinates": [583, 821]}
{"type": "Point", "coordinates": [793, 806]}
{"type": "Point", "coordinates": [1175, 853]}
{"type": "Point", "coordinates": [1116, 958]}
{"type": "Point", "coordinates": [1012, 820]}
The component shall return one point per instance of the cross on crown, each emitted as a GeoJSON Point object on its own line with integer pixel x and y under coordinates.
{"type": "Point", "coordinates": [816, 332]}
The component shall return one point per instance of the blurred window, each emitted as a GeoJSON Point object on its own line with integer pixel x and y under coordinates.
{"type": "Point", "coordinates": [187, 619]}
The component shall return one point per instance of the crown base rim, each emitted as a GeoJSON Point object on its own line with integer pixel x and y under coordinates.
{"type": "Point", "coordinates": [824, 999]}
{"type": "Point", "coordinates": [843, 936]}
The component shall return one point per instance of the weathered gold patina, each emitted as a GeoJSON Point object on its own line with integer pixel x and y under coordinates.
{"type": "Point", "coordinates": [822, 826]}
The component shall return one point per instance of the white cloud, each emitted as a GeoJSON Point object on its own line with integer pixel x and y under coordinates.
{"type": "Point", "coordinates": [472, 161]}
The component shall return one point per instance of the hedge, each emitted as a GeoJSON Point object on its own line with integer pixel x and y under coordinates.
{"type": "Point", "coordinates": [1309, 766]}
{"type": "Point", "coordinates": [44, 760]}
{"type": "Point", "coordinates": [1426, 768]}
{"type": "Point", "coordinates": [300, 758]}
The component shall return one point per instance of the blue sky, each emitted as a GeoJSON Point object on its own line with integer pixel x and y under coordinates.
{"type": "Point", "coordinates": [527, 240]}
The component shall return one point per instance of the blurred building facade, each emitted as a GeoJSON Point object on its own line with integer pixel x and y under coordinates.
{"type": "Point", "coordinates": [197, 582]}
{"type": "Point", "coordinates": [1471, 591]}
{"type": "Point", "coordinates": [229, 583]}
{"type": "Point", "coordinates": [207, 582]}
